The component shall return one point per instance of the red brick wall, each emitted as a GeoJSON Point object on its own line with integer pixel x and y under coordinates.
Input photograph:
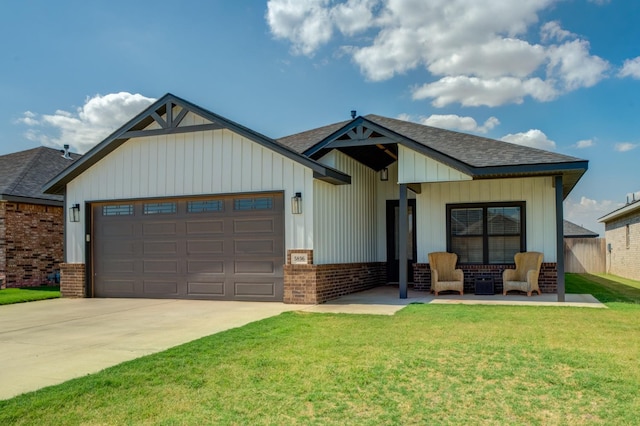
{"type": "Point", "coordinates": [310, 284]}
{"type": "Point", "coordinates": [72, 280]}
{"type": "Point", "coordinates": [547, 281]}
{"type": "Point", "coordinates": [31, 243]}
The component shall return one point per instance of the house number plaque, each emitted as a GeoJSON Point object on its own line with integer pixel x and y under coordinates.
{"type": "Point", "coordinates": [299, 259]}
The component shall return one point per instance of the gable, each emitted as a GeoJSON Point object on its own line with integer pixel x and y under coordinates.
{"type": "Point", "coordinates": [171, 115]}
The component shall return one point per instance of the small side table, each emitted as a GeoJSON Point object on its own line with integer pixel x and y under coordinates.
{"type": "Point", "coordinates": [484, 285]}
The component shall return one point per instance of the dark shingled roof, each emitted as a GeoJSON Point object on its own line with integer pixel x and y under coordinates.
{"type": "Point", "coordinates": [23, 174]}
{"type": "Point", "coordinates": [571, 230]}
{"type": "Point", "coordinates": [475, 151]}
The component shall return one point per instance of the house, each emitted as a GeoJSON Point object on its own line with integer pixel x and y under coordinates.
{"type": "Point", "coordinates": [572, 230]}
{"type": "Point", "coordinates": [31, 222]}
{"type": "Point", "coordinates": [622, 233]}
{"type": "Point", "coordinates": [183, 203]}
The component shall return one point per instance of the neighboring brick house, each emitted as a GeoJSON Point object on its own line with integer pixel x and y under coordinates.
{"type": "Point", "coordinates": [31, 222]}
{"type": "Point", "coordinates": [622, 232]}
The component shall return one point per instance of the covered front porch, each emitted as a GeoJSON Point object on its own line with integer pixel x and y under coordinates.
{"type": "Point", "coordinates": [383, 300]}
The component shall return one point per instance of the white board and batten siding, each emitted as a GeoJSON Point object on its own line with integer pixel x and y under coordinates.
{"type": "Point", "coordinates": [345, 215]}
{"type": "Point", "coordinates": [538, 193]}
{"type": "Point", "coordinates": [185, 164]}
{"type": "Point", "coordinates": [415, 167]}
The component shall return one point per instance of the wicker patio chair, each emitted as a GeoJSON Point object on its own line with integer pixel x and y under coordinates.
{"type": "Point", "coordinates": [525, 276]}
{"type": "Point", "coordinates": [444, 275]}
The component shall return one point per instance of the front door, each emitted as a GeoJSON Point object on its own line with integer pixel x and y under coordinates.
{"type": "Point", "coordinates": [393, 264]}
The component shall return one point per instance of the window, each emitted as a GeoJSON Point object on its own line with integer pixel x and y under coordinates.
{"type": "Point", "coordinates": [262, 203]}
{"type": "Point", "coordinates": [159, 208]}
{"type": "Point", "coordinates": [486, 233]}
{"type": "Point", "coordinates": [117, 210]}
{"type": "Point", "coordinates": [204, 206]}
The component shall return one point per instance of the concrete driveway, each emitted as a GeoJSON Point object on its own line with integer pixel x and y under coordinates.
{"type": "Point", "coordinates": [48, 342]}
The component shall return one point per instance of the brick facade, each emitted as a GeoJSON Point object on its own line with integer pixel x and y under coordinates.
{"type": "Point", "coordinates": [623, 258]}
{"type": "Point", "coordinates": [72, 280]}
{"type": "Point", "coordinates": [31, 243]}
{"type": "Point", "coordinates": [310, 284]}
{"type": "Point", "coordinates": [547, 281]}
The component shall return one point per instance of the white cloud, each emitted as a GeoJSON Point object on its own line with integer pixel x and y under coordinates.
{"type": "Point", "coordinates": [586, 212]}
{"type": "Point", "coordinates": [552, 31]}
{"type": "Point", "coordinates": [478, 51]}
{"type": "Point", "coordinates": [571, 64]}
{"type": "Point", "coordinates": [83, 129]}
{"type": "Point", "coordinates": [533, 138]}
{"type": "Point", "coordinates": [631, 68]}
{"type": "Point", "coordinates": [473, 91]}
{"type": "Point", "coordinates": [307, 24]}
{"type": "Point", "coordinates": [586, 143]}
{"type": "Point", "coordinates": [625, 146]}
{"type": "Point", "coordinates": [456, 122]}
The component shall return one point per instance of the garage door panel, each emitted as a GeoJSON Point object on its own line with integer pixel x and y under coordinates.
{"type": "Point", "coordinates": [160, 266]}
{"type": "Point", "coordinates": [118, 247]}
{"type": "Point", "coordinates": [255, 289]}
{"type": "Point", "coordinates": [119, 266]}
{"type": "Point", "coordinates": [205, 288]}
{"type": "Point", "coordinates": [203, 249]}
{"type": "Point", "coordinates": [245, 226]}
{"type": "Point", "coordinates": [160, 287]}
{"type": "Point", "coordinates": [160, 228]}
{"type": "Point", "coordinates": [254, 246]}
{"type": "Point", "coordinates": [211, 227]}
{"type": "Point", "coordinates": [205, 267]}
{"type": "Point", "coordinates": [117, 229]}
{"type": "Point", "coordinates": [160, 247]}
{"type": "Point", "coordinates": [119, 287]}
{"type": "Point", "coordinates": [254, 267]}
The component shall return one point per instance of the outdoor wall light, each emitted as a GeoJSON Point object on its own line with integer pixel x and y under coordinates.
{"type": "Point", "coordinates": [74, 213]}
{"type": "Point", "coordinates": [384, 174]}
{"type": "Point", "coordinates": [296, 203]}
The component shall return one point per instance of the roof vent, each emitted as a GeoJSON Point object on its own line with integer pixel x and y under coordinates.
{"type": "Point", "coordinates": [65, 153]}
{"type": "Point", "coordinates": [353, 113]}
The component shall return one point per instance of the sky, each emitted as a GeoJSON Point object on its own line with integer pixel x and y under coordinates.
{"type": "Point", "coordinates": [557, 75]}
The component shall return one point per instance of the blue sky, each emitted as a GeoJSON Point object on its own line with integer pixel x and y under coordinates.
{"type": "Point", "coordinates": [561, 75]}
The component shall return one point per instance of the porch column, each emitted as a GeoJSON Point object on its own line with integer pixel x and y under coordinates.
{"type": "Point", "coordinates": [403, 232]}
{"type": "Point", "coordinates": [559, 238]}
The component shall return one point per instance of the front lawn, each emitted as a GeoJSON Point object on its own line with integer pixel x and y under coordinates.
{"type": "Point", "coordinates": [428, 364]}
{"type": "Point", "coordinates": [28, 294]}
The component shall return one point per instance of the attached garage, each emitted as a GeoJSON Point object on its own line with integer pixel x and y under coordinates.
{"type": "Point", "coordinates": [218, 247]}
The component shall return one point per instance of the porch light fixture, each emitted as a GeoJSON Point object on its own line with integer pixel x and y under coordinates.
{"type": "Point", "coordinates": [384, 174]}
{"type": "Point", "coordinates": [296, 203]}
{"type": "Point", "coordinates": [74, 213]}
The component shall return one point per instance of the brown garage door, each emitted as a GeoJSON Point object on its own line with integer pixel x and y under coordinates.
{"type": "Point", "coordinates": [227, 248]}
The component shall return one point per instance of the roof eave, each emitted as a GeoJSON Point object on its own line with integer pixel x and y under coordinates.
{"type": "Point", "coordinates": [622, 211]}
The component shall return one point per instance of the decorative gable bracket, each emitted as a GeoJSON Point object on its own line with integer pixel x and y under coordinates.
{"type": "Point", "coordinates": [169, 116]}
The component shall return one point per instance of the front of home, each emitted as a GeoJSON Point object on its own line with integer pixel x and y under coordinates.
{"type": "Point", "coordinates": [183, 203]}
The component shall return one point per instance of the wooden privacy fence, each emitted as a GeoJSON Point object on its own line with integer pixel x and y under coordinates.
{"type": "Point", "coordinates": [585, 255]}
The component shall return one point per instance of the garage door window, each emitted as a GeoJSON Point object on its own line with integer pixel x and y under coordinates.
{"type": "Point", "coordinates": [262, 203]}
{"type": "Point", "coordinates": [205, 206]}
{"type": "Point", "coordinates": [117, 210]}
{"type": "Point", "coordinates": [159, 208]}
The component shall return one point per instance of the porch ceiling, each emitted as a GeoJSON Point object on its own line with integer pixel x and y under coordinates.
{"type": "Point", "coordinates": [374, 156]}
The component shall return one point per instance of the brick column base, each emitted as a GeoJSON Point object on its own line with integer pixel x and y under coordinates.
{"type": "Point", "coordinates": [72, 282]}
{"type": "Point", "coordinates": [311, 284]}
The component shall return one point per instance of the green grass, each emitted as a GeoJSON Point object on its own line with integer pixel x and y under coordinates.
{"type": "Point", "coordinates": [428, 364]}
{"type": "Point", "coordinates": [28, 294]}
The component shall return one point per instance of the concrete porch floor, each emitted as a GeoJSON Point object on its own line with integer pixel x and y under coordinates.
{"type": "Point", "coordinates": [385, 300]}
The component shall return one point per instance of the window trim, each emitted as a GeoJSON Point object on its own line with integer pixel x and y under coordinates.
{"type": "Point", "coordinates": [485, 236]}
